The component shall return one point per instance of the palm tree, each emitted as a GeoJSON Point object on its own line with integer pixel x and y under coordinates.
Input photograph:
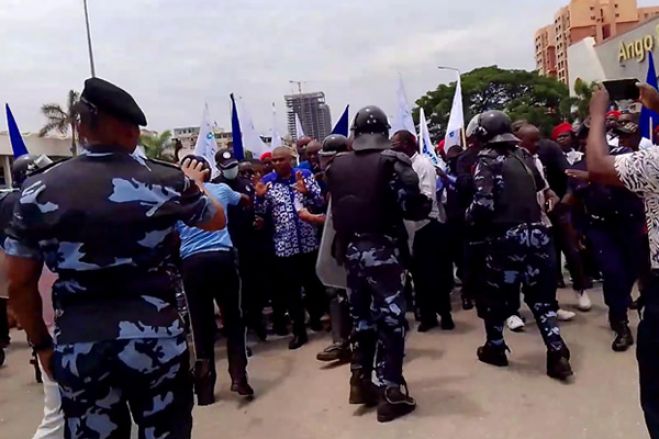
{"type": "Point", "coordinates": [60, 120]}
{"type": "Point", "coordinates": [155, 146]}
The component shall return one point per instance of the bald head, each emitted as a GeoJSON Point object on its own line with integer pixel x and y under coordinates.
{"type": "Point", "coordinates": [282, 158]}
{"type": "Point", "coordinates": [530, 136]}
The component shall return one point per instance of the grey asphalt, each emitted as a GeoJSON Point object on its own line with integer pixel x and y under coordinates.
{"type": "Point", "coordinates": [458, 397]}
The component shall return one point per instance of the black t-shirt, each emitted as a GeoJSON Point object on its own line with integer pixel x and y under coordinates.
{"type": "Point", "coordinates": [553, 159]}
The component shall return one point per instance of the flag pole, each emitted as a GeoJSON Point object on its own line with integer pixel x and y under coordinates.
{"type": "Point", "coordinates": [89, 41]}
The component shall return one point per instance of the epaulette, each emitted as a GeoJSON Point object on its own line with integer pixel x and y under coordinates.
{"type": "Point", "coordinates": [397, 155]}
{"type": "Point", "coordinates": [38, 171]}
{"type": "Point", "coordinates": [163, 163]}
{"type": "Point", "coordinates": [488, 152]}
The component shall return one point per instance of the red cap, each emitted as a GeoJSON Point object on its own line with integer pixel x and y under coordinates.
{"type": "Point", "coordinates": [614, 114]}
{"type": "Point", "coordinates": [441, 145]}
{"type": "Point", "coordinates": [559, 129]}
{"type": "Point", "coordinates": [265, 155]}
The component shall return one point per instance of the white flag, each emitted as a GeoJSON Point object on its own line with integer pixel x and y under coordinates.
{"type": "Point", "coordinates": [206, 146]}
{"type": "Point", "coordinates": [299, 131]}
{"type": "Point", "coordinates": [456, 120]}
{"type": "Point", "coordinates": [251, 139]}
{"type": "Point", "coordinates": [403, 119]}
{"type": "Point", "coordinates": [276, 138]}
{"type": "Point", "coordinates": [425, 145]}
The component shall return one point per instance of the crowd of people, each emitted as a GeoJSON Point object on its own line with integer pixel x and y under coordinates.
{"type": "Point", "coordinates": [137, 248]}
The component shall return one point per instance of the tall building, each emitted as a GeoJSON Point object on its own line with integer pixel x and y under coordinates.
{"type": "Point", "coordinates": [580, 19]}
{"type": "Point", "coordinates": [313, 112]}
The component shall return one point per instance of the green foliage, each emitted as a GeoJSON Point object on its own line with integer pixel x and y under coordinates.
{"type": "Point", "coordinates": [541, 100]}
{"type": "Point", "coordinates": [62, 120]}
{"type": "Point", "coordinates": [157, 146]}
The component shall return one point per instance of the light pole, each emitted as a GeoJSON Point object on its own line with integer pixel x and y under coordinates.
{"type": "Point", "coordinates": [463, 135]}
{"type": "Point", "coordinates": [89, 41]}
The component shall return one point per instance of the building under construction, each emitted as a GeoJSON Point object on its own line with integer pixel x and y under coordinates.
{"type": "Point", "coordinates": [313, 112]}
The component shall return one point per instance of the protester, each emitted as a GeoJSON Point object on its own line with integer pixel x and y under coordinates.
{"type": "Point", "coordinates": [529, 136]}
{"type": "Point", "coordinates": [266, 161]}
{"type": "Point", "coordinates": [372, 189]}
{"type": "Point", "coordinates": [638, 173]}
{"type": "Point", "coordinates": [280, 196]}
{"type": "Point", "coordinates": [506, 209]}
{"type": "Point", "coordinates": [567, 240]}
{"type": "Point", "coordinates": [432, 271]}
{"type": "Point", "coordinates": [311, 153]}
{"type": "Point", "coordinates": [111, 242]}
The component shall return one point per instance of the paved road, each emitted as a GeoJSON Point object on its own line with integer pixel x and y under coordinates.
{"type": "Point", "coordinates": [458, 397]}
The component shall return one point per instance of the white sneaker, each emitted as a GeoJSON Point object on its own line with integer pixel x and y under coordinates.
{"type": "Point", "coordinates": [564, 315]}
{"type": "Point", "coordinates": [584, 303]}
{"type": "Point", "coordinates": [515, 323]}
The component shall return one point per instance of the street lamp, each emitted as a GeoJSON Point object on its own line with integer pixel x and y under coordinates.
{"type": "Point", "coordinates": [449, 68]}
{"type": "Point", "coordinates": [89, 41]}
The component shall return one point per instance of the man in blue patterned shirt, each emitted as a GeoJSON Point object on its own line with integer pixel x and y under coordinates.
{"type": "Point", "coordinates": [280, 195]}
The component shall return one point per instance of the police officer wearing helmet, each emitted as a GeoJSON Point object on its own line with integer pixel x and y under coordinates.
{"type": "Point", "coordinates": [339, 308]}
{"type": "Point", "coordinates": [104, 222]}
{"type": "Point", "coordinates": [248, 243]}
{"type": "Point", "coordinates": [374, 188]}
{"type": "Point", "coordinates": [519, 249]}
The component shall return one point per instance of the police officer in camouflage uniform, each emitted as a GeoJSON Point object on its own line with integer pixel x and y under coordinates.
{"type": "Point", "coordinates": [373, 188]}
{"type": "Point", "coordinates": [104, 222]}
{"type": "Point", "coordinates": [519, 252]}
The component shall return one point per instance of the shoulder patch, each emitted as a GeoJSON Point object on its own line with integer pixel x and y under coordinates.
{"type": "Point", "coordinates": [48, 167]}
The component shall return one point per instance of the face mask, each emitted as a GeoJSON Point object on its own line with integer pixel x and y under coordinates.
{"type": "Point", "coordinates": [231, 173]}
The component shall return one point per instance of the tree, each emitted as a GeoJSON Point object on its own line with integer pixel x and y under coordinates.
{"type": "Point", "coordinates": [522, 94]}
{"type": "Point", "coordinates": [156, 145]}
{"type": "Point", "coordinates": [62, 121]}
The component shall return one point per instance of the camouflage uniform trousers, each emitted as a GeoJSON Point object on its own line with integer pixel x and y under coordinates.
{"type": "Point", "coordinates": [522, 256]}
{"type": "Point", "coordinates": [100, 381]}
{"type": "Point", "coordinates": [376, 281]}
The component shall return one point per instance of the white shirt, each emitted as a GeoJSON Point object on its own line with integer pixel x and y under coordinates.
{"type": "Point", "coordinates": [639, 172]}
{"type": "Point", "coordinates": [427, 185]}
{"type": "Point", "coordinates": [541, 194]}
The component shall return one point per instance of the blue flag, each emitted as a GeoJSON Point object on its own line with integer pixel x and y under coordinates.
{"type": "Point", "coordinates": [649, 119]}
{"type": "Point", "coordinates": [17, 144]}
{"type": "Point", "coordinates": [238, 150]}
{"type": "Point", "coordinates": [341, 126]}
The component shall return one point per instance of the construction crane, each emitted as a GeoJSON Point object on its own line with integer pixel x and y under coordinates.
{"type": "Point", "coordinates": [299, 85]}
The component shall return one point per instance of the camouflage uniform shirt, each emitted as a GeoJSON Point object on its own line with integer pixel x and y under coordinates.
{"type": "Point", "coordinates": [104, 222]}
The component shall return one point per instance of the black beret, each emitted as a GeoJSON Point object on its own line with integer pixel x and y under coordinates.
{"type": "Point", "coordinates": [113, 100]}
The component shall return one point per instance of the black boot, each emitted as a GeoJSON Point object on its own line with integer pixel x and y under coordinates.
{"type": "Point", "coordinates": [335, 352]}
{"type": "Point", "coordinates": [494, 355]}
{"type": "Point", "coordinates": [447, 322]}
{"type": "Point", "coordinates": [558, 364]}
{"type": "Point", "coordinates": [394, 404]}
{"type": "Point", "coordinates": [467, 303]}
{"type": "Point", "coordinates": [241, 387]}
{"type": "Point", "coordinates": [624, 338]}
{"type": "Point", "coordinates": [298, 341]}
{"type": "Point", "coordinates": [204, 382]}
{"type": "Point", "coordinates": [362, 389]}
{"type": "Point", "coordinates": [427, 325]}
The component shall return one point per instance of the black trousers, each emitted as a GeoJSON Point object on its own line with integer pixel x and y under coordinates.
{"type": "Point", "coordinates": [212, 277]}
{"type": "Point", "coordinates": [254, 276]}
{"type": "Point", "coordinates": [4, 323]}
{"type": "Point", "coordinates": [647, 354]}
{"type": "Point", "coordinates": [432, 271]}
{"type": "Point", "coordinates": [294, 273]}
{"type": "Point", "coordinates": [566, 242]}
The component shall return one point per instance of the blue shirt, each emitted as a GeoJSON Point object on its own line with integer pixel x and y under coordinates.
{"type": "Point", "coordinates": [194, 240]}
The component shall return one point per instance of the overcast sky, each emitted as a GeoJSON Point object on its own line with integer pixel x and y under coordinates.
{"type": "Point", "coordinates": [174, 55]}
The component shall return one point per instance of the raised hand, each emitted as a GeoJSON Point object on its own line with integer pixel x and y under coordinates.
{"type": "Point", "coordinates": [300, 185]}
{"type": "Point", "coordinates": [195, 171]}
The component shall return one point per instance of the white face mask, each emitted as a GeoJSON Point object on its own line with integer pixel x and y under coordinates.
{"type": "Point", "coordinates": [231, 173]}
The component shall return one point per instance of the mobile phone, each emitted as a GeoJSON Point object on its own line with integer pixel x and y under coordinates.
{"type": "Point", "coordinates": [622, 89]}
